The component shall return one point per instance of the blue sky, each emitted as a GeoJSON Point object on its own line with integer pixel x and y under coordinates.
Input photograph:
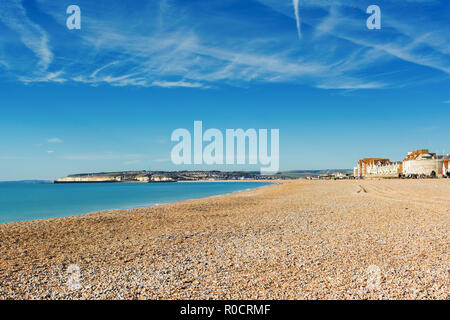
{"type": "Point", "coordinates": [108, 96]}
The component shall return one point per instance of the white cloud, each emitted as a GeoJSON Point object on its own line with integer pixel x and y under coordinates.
{"type": "Point", "coordinates": [101, 156]}
{"type": "Point", "coordinates": [94, 74]}
{"type": "Point", "coordinates": [54, 140]}
{"type": "Point", "coordinates": [419, 43]}
{"type": "Point", "coordinates": [155, 59]}
{"type": "Point", "coordinates": [350, 85]}
{"type": "Point", "coordinates": [14, 16]}
{"type": "Point", "coordinates": [44, 77]}
{"type": "Point", "coordinates": [297, 17]}
{"type": "Point", "coordinates": [172, 84]}
{"type": "Point", "coordinates": [405, 52]}
{"type": "Point", "coordinates": [4, 64]}
{"type": "Point", "coordinates": [50, 151]}
{"type": "Point", "coordinates": [179, 49]}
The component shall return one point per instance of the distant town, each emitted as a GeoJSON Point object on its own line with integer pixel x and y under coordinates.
{"type": "Point", "coordinates": [166, 176]}
{"type": "Point", "coordinates": [173, 176]}
{"type": "Point", "coordinates": [416, 164]}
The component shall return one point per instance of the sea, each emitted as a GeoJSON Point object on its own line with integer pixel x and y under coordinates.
{"type": "Point", "coordinates": [24, 201]}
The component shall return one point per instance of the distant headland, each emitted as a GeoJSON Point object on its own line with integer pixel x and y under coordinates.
{"type": "Point", "coordinates": [166, 176]}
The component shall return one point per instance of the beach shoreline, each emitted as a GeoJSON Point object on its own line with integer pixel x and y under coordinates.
{"type": "Point", "coordinates": [245, 180]}
{"type": "Point", "coordinates": [296, 239]}
{"type": "Point", "coordinates": [135, 206]}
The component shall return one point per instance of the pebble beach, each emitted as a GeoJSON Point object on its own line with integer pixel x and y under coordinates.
{"type": "Point", "coordinates": [299, 239]}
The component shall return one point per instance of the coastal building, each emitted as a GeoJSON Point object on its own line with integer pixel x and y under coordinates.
{"type": "Point", "coordinates": [388, 169]}
{"type": "Point", "coordinates": [342, 175]}
{"type": "Point", "coordinates": [445, 166]}
{"type": "Point", "coordinates": [154, 178]}
{"type": "Point", "coordinates": [161, 178]}
{"type": "Point", "coordinates": [422, 163]}
{"type": "Point", "coordinates": [365, 167]}
{"type": "Point", "coordinates": [417, 163]}
{"type": "Point", "coordinates": [89, 178]}
{"type": "Point", "coordinates": [143, 178]}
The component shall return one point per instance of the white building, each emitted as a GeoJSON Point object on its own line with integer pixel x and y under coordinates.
{"type": "Point", "coordinates": [424, 164]}
{"type": "Point", "coordinates": [390, 169]}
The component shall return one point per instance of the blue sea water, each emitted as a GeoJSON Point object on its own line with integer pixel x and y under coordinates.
{"type": "Point", "coordinates": [32, 201]}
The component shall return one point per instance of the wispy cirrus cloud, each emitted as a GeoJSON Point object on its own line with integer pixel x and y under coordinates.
{"type": "Point", "coordinates": [297, 17]}
{"type": "Point", "coordinates": [44, 77]}
{"type": "Point", "coordinates": [351, 85]}
{"type": "Point", "coordinates": [182, 46]}
{"type": "Point", "coordinates": [401, 36]}
{"type": "Point", "coordinates": [15, 17]}
{"type": "Point", "coordinates": [171, 84]}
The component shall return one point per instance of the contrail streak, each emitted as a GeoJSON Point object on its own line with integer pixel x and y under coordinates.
{"type": "Point", "coordinates": [297, 17]}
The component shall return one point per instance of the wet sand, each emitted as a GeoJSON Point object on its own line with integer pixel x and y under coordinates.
{"type": "Point", "coordinates": [380, 239]}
